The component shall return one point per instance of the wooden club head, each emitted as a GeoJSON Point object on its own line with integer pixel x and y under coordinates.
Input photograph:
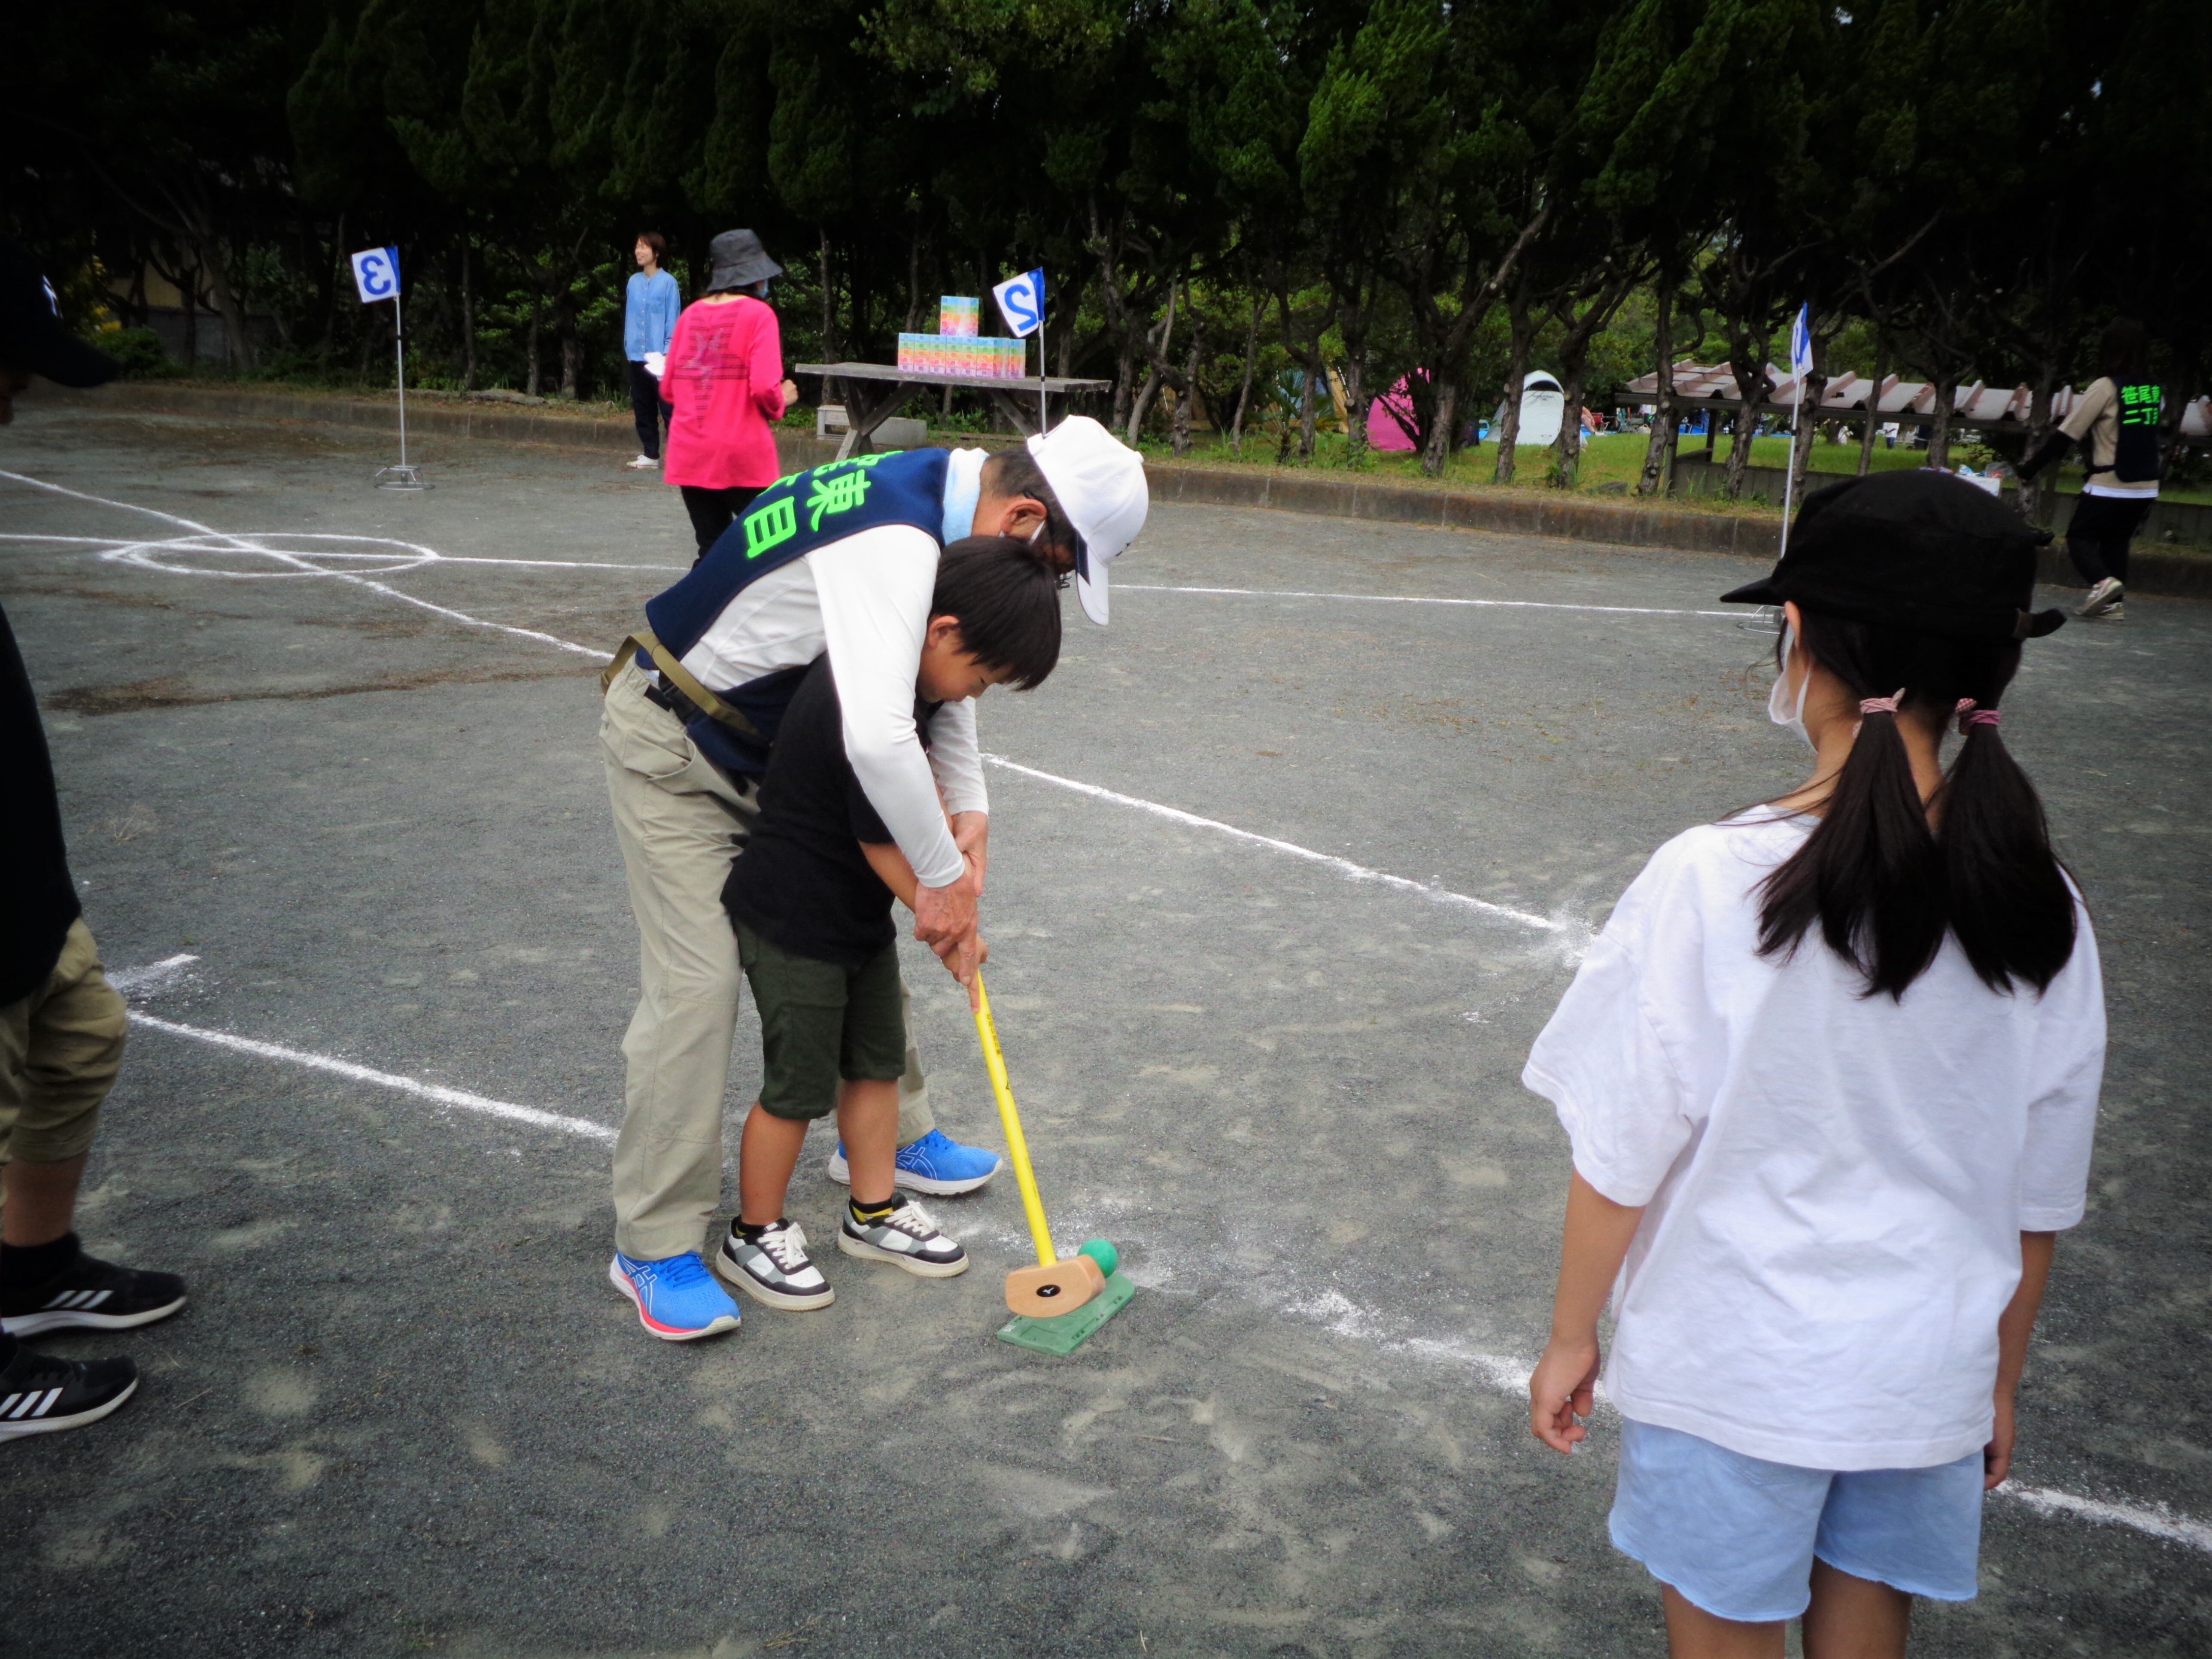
{"type": "Point", "coordinates": [1041, 1292]}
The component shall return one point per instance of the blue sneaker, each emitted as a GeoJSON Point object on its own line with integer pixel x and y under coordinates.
{"type": "Point", "coordinates": [677, 1299]}
{"type": "Point", "coordinates": [932, 1165]}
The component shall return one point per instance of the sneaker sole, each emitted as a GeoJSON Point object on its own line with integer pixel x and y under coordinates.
{"type": "Point", "coordinates": [63, 1319]}
{"type": "Point", "coordinates": [784, 1301]}
{"type": "Point", "coordinates": [77, 1420]}
{"type": "Point", "coordinates": [666, 1333]}
{"type": "Point", "coordinates": [932, 1185]}
{"type": "Point", "coordinates": [867, 1252]}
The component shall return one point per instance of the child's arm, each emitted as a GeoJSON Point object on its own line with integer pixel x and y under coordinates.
{"type": "Point", "coordinates": [895, 873]}
{"type": "Point", "coordinates": [1595, 1243]}
{"type": "Point", "coordinates": [2013, 1332]}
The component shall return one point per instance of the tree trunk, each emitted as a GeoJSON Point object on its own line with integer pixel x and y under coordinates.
{"type": "Point", "coordinates": [468, 317]}
{"type": "Point", "coordinates": [2039, 424]}
{"type": "Point", "coordinates": [1521, 338]}
{"type": "Point", "coordinates": [828, 299]}
{"type": "Point", "coordinates": [1437, 451]}
{"type": "Point", "coordinates": [1310, 373]}
{"type": "Point", "coordinates": [238, 350]}
{"type": "Point", "coordinates": [1244, 392]}
{"type": "Point", "coordinates": [1874, 401]}
{"type": "Point", "coordinates": [1567, 450]}
{"type": "Point", "coordinates": [537, 306]}
{"type": "Point", "coordinates": [1659, 449]}
{"type": "Point", "coordinates": [1352, 325]}
{"type": "Point", "coordinates": [1187, 393]}
{"type": "Point", "coordinates": [188, 291]}
{"type": "Point", "coordinates": [330, 309]}
{"type": "Point", "coordinates": [1748, 359]}
{"type": "Point", "coordinates": [1156, 354]}
{"type": "Point", "coordinates": [1802, 422]}
{"type": "Point", "coordinates": [1939, 429]}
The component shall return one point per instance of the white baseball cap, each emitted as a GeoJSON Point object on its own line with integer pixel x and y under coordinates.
{"type": "Point", "coordinates": [1100, 481]}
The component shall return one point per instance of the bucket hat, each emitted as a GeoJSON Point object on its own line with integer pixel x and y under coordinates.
{"type": "Point", "coordinates": [737, 259]}
{"type": "Point", "coordinates": [1922, 551]}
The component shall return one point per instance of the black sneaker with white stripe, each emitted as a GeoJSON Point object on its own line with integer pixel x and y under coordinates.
{"type": "Point", "coordinates": [91, 1295]}
{"type": "Point", "coordinates": [775, 1267]}
{"type": "Point", "coordinates": [40, 1395]}
{"type": "Point", "coordinates": [906, 1237]}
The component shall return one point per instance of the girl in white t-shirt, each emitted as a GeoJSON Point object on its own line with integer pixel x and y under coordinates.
{"type": "Point", "coordinates": [1831, 1075]}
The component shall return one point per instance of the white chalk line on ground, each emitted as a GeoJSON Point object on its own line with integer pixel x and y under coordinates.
{"type": "Point", "coordinates": [1337, 1312]}
{"type": "Point", "coordinates": [1342, 866]}
{"type": "Point", "coordinates": [1419, 599]}
{"type": "Point", "coordinates": [204, 538]}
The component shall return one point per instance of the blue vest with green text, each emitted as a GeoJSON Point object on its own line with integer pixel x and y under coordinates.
{"type": "Point", "coordinates": [786, 521]}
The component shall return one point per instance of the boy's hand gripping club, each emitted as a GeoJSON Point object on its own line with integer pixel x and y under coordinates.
{"type": "Point", "coordinates": [1054, 1285]}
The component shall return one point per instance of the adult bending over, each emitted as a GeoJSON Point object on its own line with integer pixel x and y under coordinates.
{"type": "Point", "coordinates": [842, 560]}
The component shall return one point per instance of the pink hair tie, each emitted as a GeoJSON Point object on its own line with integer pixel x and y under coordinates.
{"type": "Point", "coordinates": [1978, 717]}
{"type": "Point", "coordinates": [1881, 705]}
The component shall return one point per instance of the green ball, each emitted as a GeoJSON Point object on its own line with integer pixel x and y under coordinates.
{"type": "Point", "coordinates": [1104, 1253]}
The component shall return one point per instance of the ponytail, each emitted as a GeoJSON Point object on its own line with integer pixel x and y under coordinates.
{"type": "Point", "coordinates": [2010, 906]}
{"type": "Point", "coordinates": [1882, 886]}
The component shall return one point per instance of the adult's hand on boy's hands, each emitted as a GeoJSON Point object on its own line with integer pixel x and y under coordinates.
{"type": "Point", "coordinates": [946, 916]}
{"type": "Point", "coordinates": [971, 833]}
{"type": "Point", "coordinates": [1563, 1388]}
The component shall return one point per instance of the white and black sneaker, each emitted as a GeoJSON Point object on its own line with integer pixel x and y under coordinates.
{"type": "Point", "coordinates": [41, 1395]}
{"type": "Point", "coordinates": [91, 1295]}
{"type": "Point", "coordinates": [905, 1237]}
{"type": "Point", "coordinates": [2104, 599]}
{"type": "Point", "coordinates": [773, 1267]}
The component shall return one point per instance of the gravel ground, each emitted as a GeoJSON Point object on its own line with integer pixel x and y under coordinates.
{"type": "Point", "coordinates": [405, 1413]}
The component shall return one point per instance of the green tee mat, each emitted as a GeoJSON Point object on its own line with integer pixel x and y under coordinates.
{"type": "Point", "coordinates": [1063, 1333]}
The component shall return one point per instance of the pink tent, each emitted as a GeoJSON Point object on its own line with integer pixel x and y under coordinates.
{"type": "Point", "coordinates": [1383, 432]}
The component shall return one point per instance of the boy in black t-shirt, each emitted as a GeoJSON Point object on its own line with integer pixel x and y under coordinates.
{"type": "Point", "coordinates": [810, 899]}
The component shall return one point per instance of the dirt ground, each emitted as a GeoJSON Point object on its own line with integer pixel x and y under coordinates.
{"type": "Point", "coordinates": [1289, 866]}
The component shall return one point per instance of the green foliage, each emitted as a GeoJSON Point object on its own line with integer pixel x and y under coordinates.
{"type": "Point", "coordinates": [1958, 187]}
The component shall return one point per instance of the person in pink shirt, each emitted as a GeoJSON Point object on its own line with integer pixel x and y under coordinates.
{"type": "Point", "coordinates": [725, 386]}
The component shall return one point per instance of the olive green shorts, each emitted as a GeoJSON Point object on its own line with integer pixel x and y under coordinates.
{"type": "Point", "coordinates": [821, 1022]}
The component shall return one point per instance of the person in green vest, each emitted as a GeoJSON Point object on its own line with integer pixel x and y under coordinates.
{"type": "Point", "coordinates": [2116, 422]}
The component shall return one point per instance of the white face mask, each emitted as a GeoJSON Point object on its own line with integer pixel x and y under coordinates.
{"type": "Point", "coordinates": [1781, 707]}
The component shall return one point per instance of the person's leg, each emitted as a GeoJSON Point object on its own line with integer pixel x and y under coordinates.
{"type": "Point", "coordinates": [867, 1122]}
{"type": "Point", "coordinates": [709, 511]}
{"type": "Point", "coordinates": [803, 1005]}
{"type": "Point", "coordinates": [2088, 556]}
{"type": "Point", "coordinates": [1854, 1618]}
{"type": "Point", "coordinates": [766, 1154]}
{"type": "Point", "coordinates": [1693, 1634]}
{"type": "Point", "coordinates": [60, 1053]}
{"type": "Point", "coordinates": [645, 408]}
{"type": "Point", "coordinates": [677, 835]}
{"type": "Point", "coordinates": [915, 1119]}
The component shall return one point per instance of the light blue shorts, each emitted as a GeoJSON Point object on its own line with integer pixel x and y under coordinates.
{"type": "Point", "coordinates": [1737, 1535]}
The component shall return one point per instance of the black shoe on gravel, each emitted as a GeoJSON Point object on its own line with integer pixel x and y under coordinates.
{"type": "Point", "coordinates": [40, 1395]}
{"type": "Point", "coordinates": [91, 1295]}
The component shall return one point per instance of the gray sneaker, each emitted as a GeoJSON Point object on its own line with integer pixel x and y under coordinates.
{"type": "Point", "coordinates": [775, 1269]}
{"type": "Point", "coordinates": [906, 1238]}
{"type": "Point", "coordinates": [2103, 599]}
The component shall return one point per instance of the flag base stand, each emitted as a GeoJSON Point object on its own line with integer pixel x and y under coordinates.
{"type": "Point", "coordinates": [402, 477]}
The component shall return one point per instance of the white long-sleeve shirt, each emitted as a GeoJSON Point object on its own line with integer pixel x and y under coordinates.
{"type": "Point", "coordinates": [865, 600]}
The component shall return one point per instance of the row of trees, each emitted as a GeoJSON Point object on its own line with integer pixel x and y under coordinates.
{"type": "Point", "coordinates": [1217, 188]}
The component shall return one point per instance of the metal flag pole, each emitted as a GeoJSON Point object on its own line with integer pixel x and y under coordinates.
{"type": "Point", "coordinates": [1044, 416]}
{"type": "Point", "coordinates": [1789, 484]}
{"type": "Point", "coordinates": [402, 477]}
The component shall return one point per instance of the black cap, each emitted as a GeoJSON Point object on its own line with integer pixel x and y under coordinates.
{"type": "Point", "coordinates": [1922, 551]}
{"type": "Point", "coordinates": [737, 259]}
{"type": "Point", "coordinates": [32, 337]}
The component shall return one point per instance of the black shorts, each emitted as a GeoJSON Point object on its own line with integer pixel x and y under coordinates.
{"type": "Point", "coordinates": [820, 1023]}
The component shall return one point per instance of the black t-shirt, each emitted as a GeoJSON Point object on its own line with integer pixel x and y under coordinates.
{"type": "Point", "coordinates": [38, 900]}
{"type": "Point", "coordinates": [802, 881]}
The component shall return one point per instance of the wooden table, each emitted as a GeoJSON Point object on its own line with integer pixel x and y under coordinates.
{"type": "Point", "coordinates": [865, 411]}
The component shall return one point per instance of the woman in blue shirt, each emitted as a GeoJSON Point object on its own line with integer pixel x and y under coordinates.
{"type": "Point", "coordinates": [649, 314]}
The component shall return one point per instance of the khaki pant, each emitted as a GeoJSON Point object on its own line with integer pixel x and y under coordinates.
{"type": "Point", "coordinates": [679, 819]}
{"type": "Point", "coordinates": [60, 1047]}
